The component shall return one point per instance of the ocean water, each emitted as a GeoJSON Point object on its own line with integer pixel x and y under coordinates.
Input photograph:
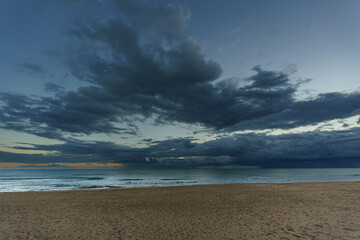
{"type": "Point", "coordinates": [19, 180]}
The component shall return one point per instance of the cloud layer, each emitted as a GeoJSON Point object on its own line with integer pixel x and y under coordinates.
{"type": "Point", "coordinates": [141, 64]}
{"type": "Point", "coordinates": [312, 149]}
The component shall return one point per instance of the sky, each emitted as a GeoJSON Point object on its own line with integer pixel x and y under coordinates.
{"type": "Point", "coordinates": [179, 84]}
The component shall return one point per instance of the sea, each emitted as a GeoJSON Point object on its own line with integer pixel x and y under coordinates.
{"type": "Point", "coordinates": [22, 180]}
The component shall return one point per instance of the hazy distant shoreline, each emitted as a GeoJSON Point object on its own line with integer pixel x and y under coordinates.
{"type": "Point", "coordinates": [230, 211]}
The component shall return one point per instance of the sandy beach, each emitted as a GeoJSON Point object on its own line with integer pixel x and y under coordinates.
{"type": "Point", "coordinates": [243, 211]}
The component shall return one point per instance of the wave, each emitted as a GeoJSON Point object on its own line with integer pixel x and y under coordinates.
{"type": "Point", "coordinates": [131, 179]}
{"type": "Point", "coordinates": [172, 179]}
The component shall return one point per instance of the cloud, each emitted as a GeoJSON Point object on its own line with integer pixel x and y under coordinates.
{"type": "Point", "coordinates": [30, 68]}
{"type": "Point", "coordinates": [95, 151]}
{"type": "Point", "coordinates": [140, 64]}
{"type": "Point", "coordinates": [311, 149]}
{"type": "Point", "coordinates": [52, 87]}
{"type": "Point", "coordinates": [265, 101]}
{"type": "Point", "coordinates": [167, 76]}
{"type": "Point", "coordinates": [70, 112]}
{"type": "Point", "coordinates": [324, 107]}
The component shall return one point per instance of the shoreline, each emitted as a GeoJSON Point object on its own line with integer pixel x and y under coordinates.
{"type": "Point", "coordinates": [306, 210]}
{"type": "Point", "coordinates": [171, 186]}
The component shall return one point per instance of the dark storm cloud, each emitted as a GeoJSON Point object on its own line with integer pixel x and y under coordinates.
{"type": "Point", "coordinates": [169, 77]}
{"type": "Point", "coordinates": [310, 149]}
{"type": "Point", "coordinates": [162, 74]}
{"type": "Point", "coordinates": [221, 151]}
{"type": "Point", "coordinates": [71, 112]}
{"type": "Point", "coordinates": [141, 64]}
{"type": "Point", "coordinates": [298, 113]}
{"type": "Point", "coordinates": [30, 68]}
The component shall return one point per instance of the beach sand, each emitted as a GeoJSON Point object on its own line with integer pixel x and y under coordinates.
{"type": "Point", "coordinates": [242, 211]}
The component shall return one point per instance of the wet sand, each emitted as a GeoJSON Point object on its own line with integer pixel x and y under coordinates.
{"type": "Point", "coordinates": [242, 211]}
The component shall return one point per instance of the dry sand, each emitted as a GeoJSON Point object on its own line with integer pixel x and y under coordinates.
{"type": "Point", "coordinates": [245, 211]}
